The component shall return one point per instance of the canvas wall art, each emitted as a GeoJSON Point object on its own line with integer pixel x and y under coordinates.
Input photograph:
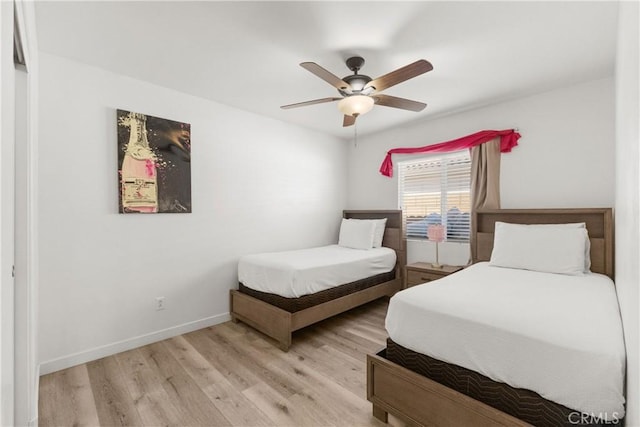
{"type": "Point", "coordinates": [154, 164]}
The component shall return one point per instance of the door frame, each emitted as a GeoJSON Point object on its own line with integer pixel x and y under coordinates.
{"type": "Point", "coordinates": [25, 309]}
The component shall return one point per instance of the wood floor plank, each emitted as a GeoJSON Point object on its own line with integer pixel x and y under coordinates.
{"type": "Point", "coordinates": [283, 368]}
{"type": "Point", "coordinates": [367, 332]}
{"type": "Point", "coordinates": [240, 376]}
{"type": "Point", "coordinates": [228, 374]}
{"type": "Point", "coordinates": [351, 344]}
{"type": "Point", "coordinates": [374, 312]}
{"type": "Point", "coordinates": [259, 366]}
{"type": "Point", "coordinates": [149, 396]}
{"type": "Point", "coordinates": [341, 405]}
{"type": "Point", "coordinates": [181, 388]}
{"type": "Point", "coordinates": [280, 410]}
{"type": "Point", "coordinates": [352, 372]}
{"type": "Point", "coordinates": [363, 342]}
{"type": "Point", "coordinates": [113, 401]}
{"type": "Point", "coordinates": [67, 399]}
{"type": "Point", "coordinates": [230, 402]}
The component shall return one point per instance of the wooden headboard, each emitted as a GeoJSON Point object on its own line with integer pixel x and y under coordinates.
{"type": "Point", "coordinates": [599, 222]}
{"type": "Point", "coordinates": [393, 233]}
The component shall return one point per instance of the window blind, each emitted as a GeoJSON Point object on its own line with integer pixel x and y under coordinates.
{"type": "Point", "coordinates": [436, 190]}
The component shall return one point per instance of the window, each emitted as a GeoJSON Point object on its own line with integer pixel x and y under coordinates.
{"type": "Point", "coordinates": [436, 190]}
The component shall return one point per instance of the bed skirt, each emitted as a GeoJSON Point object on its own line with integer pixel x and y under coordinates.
{"type": "Point", "coordinates": [293, 305]}
{"type": "Point", "coordinates": [523, 404]}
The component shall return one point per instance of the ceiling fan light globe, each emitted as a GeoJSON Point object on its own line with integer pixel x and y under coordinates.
{"type": "Point", "coordinates": [355, 105]}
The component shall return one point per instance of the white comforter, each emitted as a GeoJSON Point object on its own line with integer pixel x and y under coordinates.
{"type": "Point", "coordinates": [293, 274]}
{"type": "Point", "coordinates": [557, 335]}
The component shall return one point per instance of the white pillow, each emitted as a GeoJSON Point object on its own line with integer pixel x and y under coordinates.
{"type": "Point", "coordinates": [587, 242]}
{"type": "Point", "coordinates": [551, 248]}
{"type": "Point", "coordinates": [378, 231]}
{"type": "Point", "coordinates": [356, 234]}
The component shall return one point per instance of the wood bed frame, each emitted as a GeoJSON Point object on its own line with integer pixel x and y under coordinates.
{"type": "Point", "coordinates": [279, 324]}
{"type": "Point", "coordinates": [418, 400]}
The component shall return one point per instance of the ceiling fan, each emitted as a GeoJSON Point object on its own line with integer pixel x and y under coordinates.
{"type": "Point", "coordinates": [360, 92]}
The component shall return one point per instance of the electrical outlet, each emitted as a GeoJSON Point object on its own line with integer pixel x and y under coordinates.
{"type": "Point", "coordinates": [159, 303]}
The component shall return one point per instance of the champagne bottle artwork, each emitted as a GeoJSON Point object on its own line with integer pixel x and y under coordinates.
{"type": "Point", "coordinates": [154, 158]}
{"type": "Point", "coordinates": [139, 178]}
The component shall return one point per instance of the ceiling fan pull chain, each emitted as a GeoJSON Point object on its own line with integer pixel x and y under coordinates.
{"type": "Point", "coordinates": [355, 135]}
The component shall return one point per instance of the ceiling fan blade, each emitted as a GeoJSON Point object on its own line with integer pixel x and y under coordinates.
{"type": "Point", "coordinates": [400, 75]}
{"type": "Point", "coordinates": [304, 104]}
{"type": "Point", "coordinates": [395, 102]}
{"type": "Point", "coordinates": [325, 75]}
{"type": "Point", "coordinates": [348, 121]}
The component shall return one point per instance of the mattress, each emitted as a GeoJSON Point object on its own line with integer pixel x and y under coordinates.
{"type": "Point", "coordinates": [293, 274]}
{"type": "Point", "coordinates": [293, 305]}
{"type": "Point", "coordinates": [525, 405]}
{"type": "Point", "coordinates": [557, 335]}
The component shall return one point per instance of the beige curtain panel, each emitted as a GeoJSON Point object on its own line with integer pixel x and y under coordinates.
{"type": "Point", "coordinates": [485, 178]}
{"type": "Point", "coordinates": [485, 175]}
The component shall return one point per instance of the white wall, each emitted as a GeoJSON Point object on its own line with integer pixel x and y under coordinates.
{"type": "Point", "coordinates": [257, 185]}
{"type": "Point", "coordinates": [565, 157]}
{"type": "Point", "coordinates": [627, 213]}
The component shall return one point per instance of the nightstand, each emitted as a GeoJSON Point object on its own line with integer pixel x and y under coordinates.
{"type": "Point", "coordinates": [422, 272]}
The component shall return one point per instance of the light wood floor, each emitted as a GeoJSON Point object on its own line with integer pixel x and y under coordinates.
{"type": "Point", "coordinates": [227, 374]}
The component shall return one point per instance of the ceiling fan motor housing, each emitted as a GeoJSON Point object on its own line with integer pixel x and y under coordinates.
{"type": "Point", "coordinates": [356, 81]}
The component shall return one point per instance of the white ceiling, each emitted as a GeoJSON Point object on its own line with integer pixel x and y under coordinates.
{"type": "Point", "coordinates": [246, 54]}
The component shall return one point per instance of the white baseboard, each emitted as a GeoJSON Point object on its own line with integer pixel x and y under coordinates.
{"type": "Point", "coordinates": [128, 344]}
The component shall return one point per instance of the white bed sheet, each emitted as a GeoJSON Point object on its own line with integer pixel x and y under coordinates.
{"type": "Point", "coordinates": [557, 335]}
{"type": "Point", "coordinates": [293, 274]}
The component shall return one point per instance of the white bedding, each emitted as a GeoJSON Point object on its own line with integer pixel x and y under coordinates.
{"type": "Point", "coordinates": [293, 274]}
{"type": "Point", "coordinates": [557, 335]}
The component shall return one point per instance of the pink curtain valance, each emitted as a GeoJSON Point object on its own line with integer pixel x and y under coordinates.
{"type": "Point", "coordinates": [508, 140]}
